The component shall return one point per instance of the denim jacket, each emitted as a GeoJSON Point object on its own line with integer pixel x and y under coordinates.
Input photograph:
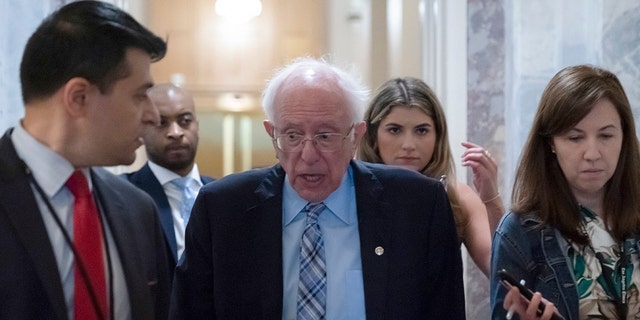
{"type": "Point", "coordinates": [536, 254]}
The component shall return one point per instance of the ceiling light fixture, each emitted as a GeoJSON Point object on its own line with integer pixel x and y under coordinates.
{"type": "Point", "coordinates": [238, 10]}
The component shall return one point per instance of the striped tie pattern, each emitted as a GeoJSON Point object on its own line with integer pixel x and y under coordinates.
{"type": "Point", "coordinates": [312, 288]}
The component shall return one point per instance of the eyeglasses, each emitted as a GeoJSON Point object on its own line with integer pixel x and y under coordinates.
{"type": "Point", "coordinates": [324, 142]}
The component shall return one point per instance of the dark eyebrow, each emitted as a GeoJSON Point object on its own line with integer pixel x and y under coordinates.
{"type": "Point", "coordinates": [574, 129]}
{"type": "Point", "coordinates": [611, 126]}
{"type": "Point", "coordinates": [607, 127]}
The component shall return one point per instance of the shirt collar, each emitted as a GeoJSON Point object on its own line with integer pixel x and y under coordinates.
{"type": "Point", "coordinates": [49, 169]}
{"type": "Point", "coordinates": [338, 202]}
{"type": "Point", "coordinates": [165, 175]}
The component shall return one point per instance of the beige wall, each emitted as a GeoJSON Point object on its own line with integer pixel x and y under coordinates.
{"type": "Point", "coordinates": [226, 67]}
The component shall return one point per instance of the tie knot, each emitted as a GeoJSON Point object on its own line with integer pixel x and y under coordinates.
{"type": "Point", "coordinates": [313, 210]}
{"type": "Point", "coordinates": [78, 185]}
{"type": "Point", "coordinates": [181, 182]}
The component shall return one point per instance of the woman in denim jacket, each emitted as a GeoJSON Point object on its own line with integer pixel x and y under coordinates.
{"type": "Point", "coordinates": [572, 232]}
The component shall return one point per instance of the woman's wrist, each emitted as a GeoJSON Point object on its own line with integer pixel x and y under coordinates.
{"type": "Point", "coordinates": [491, 199]}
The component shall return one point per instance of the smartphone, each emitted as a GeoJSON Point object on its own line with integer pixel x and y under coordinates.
{"type": "Point", "coordinates": [508, 281]}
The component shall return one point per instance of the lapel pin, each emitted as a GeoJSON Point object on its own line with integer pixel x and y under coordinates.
{"type": "Point", "coordinates": [379, 250]}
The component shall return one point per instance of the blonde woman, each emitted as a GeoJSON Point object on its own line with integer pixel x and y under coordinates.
{"type": "Point", "coordinates": [406, 126]}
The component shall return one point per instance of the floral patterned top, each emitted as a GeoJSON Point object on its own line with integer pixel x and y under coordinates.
{"type": "Point", "coordinates": [598, 270]}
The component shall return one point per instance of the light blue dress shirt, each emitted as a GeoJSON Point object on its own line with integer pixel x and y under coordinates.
{"type": "Point", "coordinates": [51, 171]}
{"type": "Point", "coordinates": [174, 196]}
{"type": "Point", "coordinates": [339, 225]}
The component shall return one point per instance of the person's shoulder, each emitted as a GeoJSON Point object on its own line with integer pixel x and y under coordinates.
{"type": "Point", "coordinates": [522, 221]}
{"type": "Point", "coordinates": [467, 196]}
{"type": "Point", "coordinates": [108, 176]}
{"type": "Point", "coordinates": [249, 179]}
{"type": "Point", "coordinates": [520, 234]}
{"type": "Point", "coordinates": [139, 176]}
{"type": "Point", "coordinates": [207, 179]}
{"type": "Point", "coordinates": [120, 184]}
{"type": "Point", "coordinates": [465, 191]}
{"type": "Point", "coordinates": [389, 172]}
{"type": "Point", "coordinates": [129, 175]}
{"type": "Point", "coordinates": [396, 181]}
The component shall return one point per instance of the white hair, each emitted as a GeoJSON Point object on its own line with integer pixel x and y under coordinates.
{"type": "Point", "coordinates": [353, 88]}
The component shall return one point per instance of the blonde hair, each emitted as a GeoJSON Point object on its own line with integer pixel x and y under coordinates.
{"type": "Point", "coordinates": [414, 93]}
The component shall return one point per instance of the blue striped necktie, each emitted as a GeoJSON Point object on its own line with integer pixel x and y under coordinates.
{"type": "Point", "coordinates": [312, 288]}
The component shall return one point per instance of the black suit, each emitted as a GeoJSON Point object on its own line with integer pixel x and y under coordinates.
{"type": "Point", "coordinates": [232, 265]}
{"type": "Point", "coordinates": [147, 181]}
{"type": "Point", "coordinates": [30, 284]}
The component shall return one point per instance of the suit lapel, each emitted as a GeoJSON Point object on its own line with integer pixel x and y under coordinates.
{"type": "Point", "coordinates": [373, 226]}
{"type": "Point", "coordinates": [18, 205]}
{"type": "Point", "coordinates": [269, 209]}
{"type": "Point", "coordinates": [113, 205]}
{"type": "Point", "coordinates": [206, 179]}
{"type": "Point", "coordinates": [147, 181]}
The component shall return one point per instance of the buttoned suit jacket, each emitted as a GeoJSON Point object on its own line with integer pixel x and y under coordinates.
{"type": "Point", "coordinates": [30, 284]}
{"type": "Point", "coordinates": [232, 265]}
{"type": "Point", "coordinates": [147, 181]}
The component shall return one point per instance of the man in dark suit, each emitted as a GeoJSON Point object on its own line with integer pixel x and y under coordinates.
{"type": "Point", "coordinates": [320, 235]}
{"type": "Point", "coordinates": [84, 73]}
{"type": "Point", "coordinates": [171, 149]}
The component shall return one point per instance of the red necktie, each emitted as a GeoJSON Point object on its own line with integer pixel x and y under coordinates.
{"type": "Point", "coordinates": [87, 238]}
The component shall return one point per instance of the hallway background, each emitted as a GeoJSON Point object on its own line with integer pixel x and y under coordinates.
{"type": "Point", "coordinates": [488, 60]}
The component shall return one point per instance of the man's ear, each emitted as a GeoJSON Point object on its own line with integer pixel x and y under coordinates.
{"type": "Point", "coordinates": [76, 96]}
{"type": "Point", "coordinates": [358, 131]}
{"type": "Point", "coordinates": [360, 128]}
{"type": "Point", "coordinates": [268, 126]}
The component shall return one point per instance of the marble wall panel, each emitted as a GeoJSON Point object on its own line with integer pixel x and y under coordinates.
{"type": "Point", "coordinates": [515, 47]}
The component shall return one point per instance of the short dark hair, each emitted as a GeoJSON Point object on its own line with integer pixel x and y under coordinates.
{"type": "Point", "coordinates": [85, 39]}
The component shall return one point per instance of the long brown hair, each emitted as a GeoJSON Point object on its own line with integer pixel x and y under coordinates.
{"type": "Point", "coordinates": [541, 187]}
{"type": "Point", "coordinates": [414, 93]}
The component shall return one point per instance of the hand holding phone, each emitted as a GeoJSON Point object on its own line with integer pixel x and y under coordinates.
{"type": "Point", "coordinates": [508, 281]}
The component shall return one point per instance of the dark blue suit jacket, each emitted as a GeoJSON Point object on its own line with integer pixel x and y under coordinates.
{"type": "Point", "coordinates": [147, 181]}
{"type": "Point", "coordinates": [232, 265]}
{"type": "Point", "coordinates": [30, 284]}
